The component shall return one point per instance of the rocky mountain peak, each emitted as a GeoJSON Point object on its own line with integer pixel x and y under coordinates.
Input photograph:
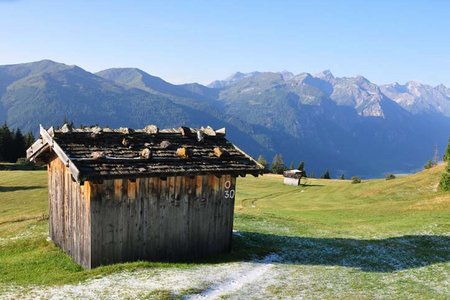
{"type": "Point", "coordinates": [325, 74]}
{"type": "Point", "coordinates": [287, 75]}
{"type": "Point", "coordinates": [328, 121]}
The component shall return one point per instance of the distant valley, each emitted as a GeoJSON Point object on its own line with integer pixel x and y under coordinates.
{"type": "Point", "coordinates": [347, 125]}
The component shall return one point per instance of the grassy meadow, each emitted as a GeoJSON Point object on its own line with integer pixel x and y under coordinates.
{"type": "Point", "coordinates": [324, 239]}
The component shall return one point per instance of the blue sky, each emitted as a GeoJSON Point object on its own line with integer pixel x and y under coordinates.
{"type": "Point", "coordinates": [187, 41]}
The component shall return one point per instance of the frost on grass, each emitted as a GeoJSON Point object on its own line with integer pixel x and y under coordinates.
{"type": "Point", "coordinates": [237, 233]}
{"type": "Point", "coordinates": [301, 267]}
{"type": "Point", "coordinates": [208, 282]}
{"type": "Point", "coordinates": [247, 276]}
{"type": "Point", "coordinates": [30, 232]}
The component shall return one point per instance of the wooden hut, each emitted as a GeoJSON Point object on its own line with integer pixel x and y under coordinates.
{"type": "Point", "coordinates": [125, 195]}
{"type": "Point", "coordinates": [292, 177]}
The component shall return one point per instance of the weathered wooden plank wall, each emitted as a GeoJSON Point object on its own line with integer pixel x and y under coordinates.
{"type": "Point", "coordinates": [69, 213]}
{"type": "Point", "coordinates": [178, 218]}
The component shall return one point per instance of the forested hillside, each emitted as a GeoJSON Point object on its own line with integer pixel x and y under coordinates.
{"type": "Point", "coordinates": [347, 125]}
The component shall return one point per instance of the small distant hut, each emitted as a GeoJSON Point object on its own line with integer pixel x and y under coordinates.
{"type": "Point", "coordinates": [292, 177]}
{"type": "Point", "coordinates": [125, 195]}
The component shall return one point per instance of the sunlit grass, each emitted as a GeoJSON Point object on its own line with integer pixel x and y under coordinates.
{"type": "Point", "coordinates": [371, 239]}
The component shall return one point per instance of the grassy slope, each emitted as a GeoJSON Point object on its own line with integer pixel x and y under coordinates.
{"type": "Point", "coordinates": [378, 238]}
{"type": "Point", "coordinates": [374, 208]}
{"type": "Point", "coordinates": [370, 239]}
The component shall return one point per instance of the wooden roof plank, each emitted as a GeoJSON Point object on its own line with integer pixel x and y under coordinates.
{"type": "Point", "coordinates": [36, 149]}
{"type": "Point", "coordinates": [119, 161]}
{"type": "Point", "coordinates": [46, 136]}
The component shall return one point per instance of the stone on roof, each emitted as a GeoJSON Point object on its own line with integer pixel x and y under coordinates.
{"type": "Point", "coordinates": [103, 153]}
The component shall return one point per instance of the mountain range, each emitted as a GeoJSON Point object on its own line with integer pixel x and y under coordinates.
{"type": "Point", "coordinates": [347, 125]}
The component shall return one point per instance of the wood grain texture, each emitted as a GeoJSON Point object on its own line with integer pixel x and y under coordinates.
{"type": "Point", "coordinates": [176, 219]}
{"type": "Point", "coordinates": [69, 213]}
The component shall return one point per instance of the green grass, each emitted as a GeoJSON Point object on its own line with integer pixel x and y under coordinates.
{"type": "Point", "coordinates": [377, 238]}
{"type": "Point", "coordinates": [23, 201]}
{"type": "Point", "coordinates": [5, 166]}
{"type": "Point", "coordinates": [335, 208]}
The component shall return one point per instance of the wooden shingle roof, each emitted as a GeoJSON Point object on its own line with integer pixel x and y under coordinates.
{"type": "Point", "coordinates": [103, 153]}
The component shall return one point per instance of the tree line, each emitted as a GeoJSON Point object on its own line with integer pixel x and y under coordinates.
{"type": "Point", "coordinates": [13, 143]}
{"type": "Point", "coordinates": [278, 167]}
{"type": "Point", "coordinates": [444, 183]}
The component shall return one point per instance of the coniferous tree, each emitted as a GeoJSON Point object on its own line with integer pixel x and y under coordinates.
{"type": "Point", "coordinates": [447, 152]}
{"type": "Point", "coordinates": [301, 167]}
{"type": "Point", "coordinates": [13, 144]}
{"type": "Point", "coordinates": [18, 149]}
{"type": "Point", "coordinates": [2, 144]}
{"type": "Point", "coordinates": [263, 161]}
{"type": "Point", "coordinates": [6, 144]}
{"type": "Point", "coordinates": [429, 164]}
{"type": "Point", "coordinates": [29, 140]}
{"type": "Point", "coordinates": [342, 176]}
{"type": "Point", "coordinates": [326, 175]}
{"type": "Point", "coordinates": [444, 183]}
{"type": "Point", "coordinates": [277, 164]}
{"type": "Point", "coordinates": [291, 166]}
